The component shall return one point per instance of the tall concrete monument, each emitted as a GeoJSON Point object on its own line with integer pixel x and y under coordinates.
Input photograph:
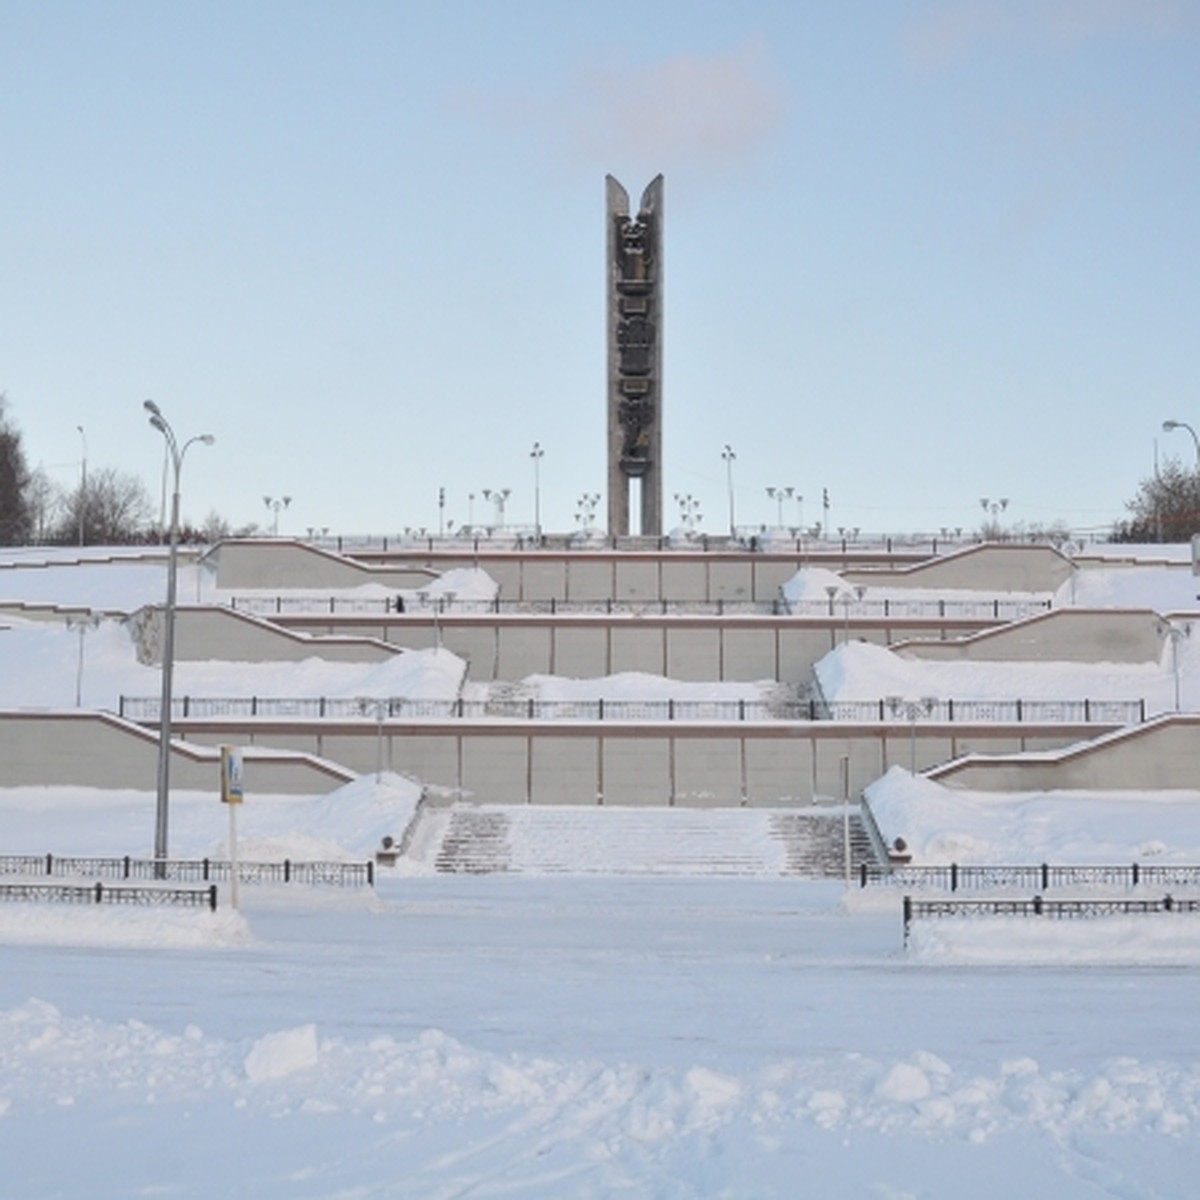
{"type": "Point", "coordinates": [635, 282]}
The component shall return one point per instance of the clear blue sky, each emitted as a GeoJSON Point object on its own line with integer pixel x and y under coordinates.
{"type": "Point", "coordinates": [916, 253]}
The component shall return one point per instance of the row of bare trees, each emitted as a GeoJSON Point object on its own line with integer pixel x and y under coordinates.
{"type": "Point", "coordinates": [109, 508]}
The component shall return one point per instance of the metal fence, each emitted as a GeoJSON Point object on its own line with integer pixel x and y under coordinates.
{"type": "Point", "coordinates": [954, 877]}
{"type": "Point", "coordinates": [996, 609]}
{"type": "Point", "coordinates": [400, 708]}
{"type": "Point", "coordinates": [99, 893]}
{"type": "Point", "coordinates": [1039, 906]}
{"type": "Point", "coordinates": [216, 870]}
{"type": "Point", "coordinates": [1106, 712]}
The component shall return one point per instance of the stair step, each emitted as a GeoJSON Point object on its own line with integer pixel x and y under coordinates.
{"type": "Point", "coordinates": [710, 841]}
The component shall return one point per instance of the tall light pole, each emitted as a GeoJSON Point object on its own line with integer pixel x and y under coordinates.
{"type": "Point", "coordinates": [82, 482]}
{"type": "Point", "coordinates": [728, 455]}
{"type": "Point", "coordinates": [1169, 425]}
{"type": "Point", "coordinates": [177, 453]}
{"type": "Point", "coordinates": [537, 454]}
{"type": "Point", "coordinates": [275, 503]}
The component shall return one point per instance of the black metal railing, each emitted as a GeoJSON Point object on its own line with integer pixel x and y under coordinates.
{"type": "Point", "coordinates": [996, 609]}
{"type": "Point", "coordinates": [99, 893]}
{"type": "Point", "coordinates": [402, 708]}
{"type": "Point", "coordinates": [1040, 906]}
{"type": "Point", "coordinates": [215, 870]}
{"type": "Point", "coordinates": [1086, 711]}
{"type": "Point", "coordinates": [956, 877]}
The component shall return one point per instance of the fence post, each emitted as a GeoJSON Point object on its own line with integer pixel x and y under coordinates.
{"type": "Point", "coordinates": [600, 709]}
{"type": "Point", "coordinates": [1045, 876]}
{"type": "Point", "coordinates": [1020, 710]}
{"type": "Point", "coordinates": [99, 891]}
{"type": "Point", "coordinates": [1136, 874]}
{"type": "Point", "coordinates": [212, 897]}
{"type": "Point", "coordinates": [954, 877]}
{"type": "Point", "coordinates": [127, 866]}
{"type": "Point", "coordinates": [741, 708]}
{"type": "Point", "coordinates": [49, 864]}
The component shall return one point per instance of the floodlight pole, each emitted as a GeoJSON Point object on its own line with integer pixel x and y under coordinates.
{"type": "Point", "coordinates": [176, 453]}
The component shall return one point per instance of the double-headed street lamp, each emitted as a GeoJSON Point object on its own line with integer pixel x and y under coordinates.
{"type": "Point", "coordinates": [176, 452]}
{"type": "Point", "coordinates": [1170, 425]}
{"type": "Point", "coordinates": [779, 495]}
{"type": "Point", "coordinates": [275, 503]}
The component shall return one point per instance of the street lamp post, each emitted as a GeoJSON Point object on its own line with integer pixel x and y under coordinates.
{"type": "Point", "coordinates": [176, 452]}
{"type": "Point", "coordinates": [689, 512]}
{"type": "Point", "coordinates": [586, 510]}
{"type": "Point", "coordinates": [1170, 425]}
{"type": "Point", "coordinates": [729, 456]}
{"type": "Point", "coordinates": [779, 495]}
{"type": "Point", "coordinates": [912, 711]}
{"type": "Point", "coordinates": [537, 454]}
{"type": "Point", "coordinates": [499, 497]}
{"type": "Point", "coordinates": [82, 482]}
{"type": "Point", "coordinates": [275, 503]}
{"type": "Point", "coordinates": [995, 507]}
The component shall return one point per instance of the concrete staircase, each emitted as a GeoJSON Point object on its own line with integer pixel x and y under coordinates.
{"type": "Point", "coordinates": [541, 840]}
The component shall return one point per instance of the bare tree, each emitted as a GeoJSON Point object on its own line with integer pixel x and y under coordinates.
{"type": "Point", "coordinates": [114, 509]}
{"type": "Point", "coordinates": [1165, 509]}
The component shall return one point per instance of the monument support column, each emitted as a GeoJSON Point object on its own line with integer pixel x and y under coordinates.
{"type": "Point", "coordinates": [635, 280]}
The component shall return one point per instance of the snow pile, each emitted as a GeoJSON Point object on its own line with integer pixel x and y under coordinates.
{"type": "Point", "coordinates": [141, 928]}
{"type": "Point", "coordinates": [1157, 941]}
{"type": "Point", "coordinates": [858, 670]}
{"type": "Point", "coordinates": [43, 670]}
{"type": "Point", "coordinates": [430, 1112]}
{"type": "Point", "coordinates": [943, 825]}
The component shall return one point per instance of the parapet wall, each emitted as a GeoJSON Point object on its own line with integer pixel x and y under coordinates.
{"type": "Point", "coordinates": [203, 633]}
{"type": "Point", "coordinates": [1160, 755]}
{"type": "Point", "coordinates": [76, 748]}
{"type": "Point", "coordinates": [1109, 635]}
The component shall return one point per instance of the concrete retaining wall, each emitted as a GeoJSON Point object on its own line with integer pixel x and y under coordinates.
{"type": "Point", "coordinates": [1159, 755]}
{"type": "Point", "coordinates": [1062, 635]}
{"type": "Point", "coordinates": [278, 563]}
{"type": "Point", "coordinates": [995, 567]}
{"type": "Point", "coordinates": [203, 633]}
{"type": "Point", "coordinates": [524, 762]}
{"type": "Point", "coordinates": [737, 648]}
{"type": "Point", "coordinates": [86, 749]}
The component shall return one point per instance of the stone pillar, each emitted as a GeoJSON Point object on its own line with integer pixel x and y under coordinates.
{"type": "Point", "coordinates": [635, 281]}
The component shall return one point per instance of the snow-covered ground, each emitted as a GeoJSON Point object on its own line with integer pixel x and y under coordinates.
{"type": "Point", "coordinates": [550, 1036]}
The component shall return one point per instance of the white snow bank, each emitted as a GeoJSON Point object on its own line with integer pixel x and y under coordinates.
{"type": "Point", "coordinates": [600, 1108]}
{"type": "Point", "coordinates": [942, 825]}
{"type": "Point", "coordinates": [1158, 940]}
{"type": "Point", "coordinates": [126, 928]}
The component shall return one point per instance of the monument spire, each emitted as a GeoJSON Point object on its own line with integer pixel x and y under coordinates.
{"type": "Point", "coordinates": [635, 280]}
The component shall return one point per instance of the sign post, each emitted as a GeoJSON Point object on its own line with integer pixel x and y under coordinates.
{"type": "Point", "coordinates": [231, 796]}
